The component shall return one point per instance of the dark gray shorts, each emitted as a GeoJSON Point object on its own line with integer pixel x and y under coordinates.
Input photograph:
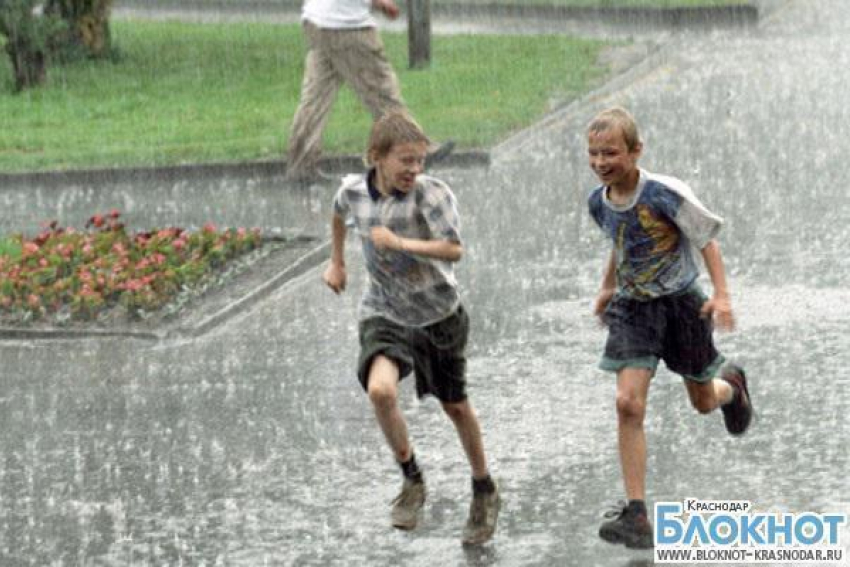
{"type": "Point", "coordinates": [670, 328]}
{"type": "Point", "coordinates": [436, 353]}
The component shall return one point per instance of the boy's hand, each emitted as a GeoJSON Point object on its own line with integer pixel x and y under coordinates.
{"type": "Point", "coordinates": [602, 301]}
{"type": "Point", "coordinates": [385, 239]}
{"type": "Point", "coordinates": [388, 7]}
{"type": "Point", "coordinates": [335, 277]}
{"type": "Point", "coordinates": [719, 308]}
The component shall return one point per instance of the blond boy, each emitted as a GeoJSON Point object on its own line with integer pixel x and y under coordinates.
{"type": "Point", "coordinates": [652, 305]}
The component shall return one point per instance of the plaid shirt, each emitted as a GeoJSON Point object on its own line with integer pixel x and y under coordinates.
{"type": "Point", "coordinates": [405, 288]}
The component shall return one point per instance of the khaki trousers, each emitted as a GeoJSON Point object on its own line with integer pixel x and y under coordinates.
{"type": "Point", "coordinates": [335, 56]}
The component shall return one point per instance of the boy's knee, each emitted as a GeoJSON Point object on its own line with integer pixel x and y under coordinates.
{"type": "Point", "coordinates": [630, 408]}
{"type": "Point", "coordinates": [383, 381]}
{"type": "Point", "coordinates": [457, 411]}
{"type": "Point", "coordinates": [382, 395]}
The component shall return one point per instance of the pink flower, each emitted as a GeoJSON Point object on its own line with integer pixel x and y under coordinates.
{"type": "Point", "coordinates": [209, 228]}
{"type": "Point", "coordinates": [95, 221]}
{"type": "Point", "coordinates": [30, 248]}
{"type": "Point", "coordinates": [133, 285]}
{"type": "Point", "coordinates": [33, 301]}
{"type": "Point", "coordinates": [114, 214]}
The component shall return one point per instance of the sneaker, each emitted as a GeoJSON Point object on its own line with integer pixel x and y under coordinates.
{"type": "Point", "coordinates": [407, 504]}
{"type": "Point", "coordinates": [627, 527]}
{"type": "Point", "coordinates": [738, 413]}
{"type": "Point", "coordinates": [483, 513]}
{"type": "Point", "coordinates": [440, 153]}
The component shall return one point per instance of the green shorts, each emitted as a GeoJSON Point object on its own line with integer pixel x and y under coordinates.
{"type": "Point", "coordinates": [435, 353]}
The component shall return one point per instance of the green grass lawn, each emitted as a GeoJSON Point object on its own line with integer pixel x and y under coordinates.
{"type": "Point", "coordinates": [185, 93]}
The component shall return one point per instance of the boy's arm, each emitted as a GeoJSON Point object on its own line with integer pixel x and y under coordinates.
{"type": "Point", "coordinates": [720, 304]}
{"type": "Point", "coordinates": [609, 286]}
{"type": "Point", "coordinates": [335, 275]}
{"type": "Point", "coordinates": [448, 250]}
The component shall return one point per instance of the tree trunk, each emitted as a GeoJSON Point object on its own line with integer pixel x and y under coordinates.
{"type": "Point", "coordinates": [88, 22]}
{"type": "Point", "coordinates": [28, 64]}
{"type": "Point", "coordinates": [419, 33]}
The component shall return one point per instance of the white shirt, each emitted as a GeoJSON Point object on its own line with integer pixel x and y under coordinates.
{"type": "Point", "coordinates": [338, 14]}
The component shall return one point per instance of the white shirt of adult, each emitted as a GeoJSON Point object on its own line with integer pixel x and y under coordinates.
{"type": "Point", "coordinates": [338, 14]}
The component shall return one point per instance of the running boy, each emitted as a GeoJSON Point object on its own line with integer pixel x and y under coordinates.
{"type": "Point", "coordinates": [652, 305]}
{"type": "Point", "coordinates": [411, 317]}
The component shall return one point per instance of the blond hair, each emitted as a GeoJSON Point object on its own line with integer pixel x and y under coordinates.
{"type": "Point", "coordinates": [617, 117]}
{"type": "Point", "coordinates": [394, 127]}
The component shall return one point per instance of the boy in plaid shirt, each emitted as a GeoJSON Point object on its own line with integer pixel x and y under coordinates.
{"type": "Point", "coordinates": [411, 317]}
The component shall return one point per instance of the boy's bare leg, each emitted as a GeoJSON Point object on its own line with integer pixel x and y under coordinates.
{"type": "Point", "coordinates": [708, 396]}
{"type": "Point", "coordinates": [632, 390]}
{"type": "Point", "coordinates": [469, 431]}
{"type": "Point", "coordinates": [383, 393]}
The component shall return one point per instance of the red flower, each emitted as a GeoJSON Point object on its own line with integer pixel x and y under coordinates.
{"type": "Point", "coordinates": [95, 221]}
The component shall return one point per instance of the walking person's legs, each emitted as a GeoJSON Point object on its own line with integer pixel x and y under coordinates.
{"type": "Point", "coordinates": [360, 60]}
{"type": "Point", "coordinates": [318, 91]}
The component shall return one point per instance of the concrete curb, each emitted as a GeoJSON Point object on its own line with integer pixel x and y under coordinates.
{"type": "Point", "coordinates": [261, 169]}
{"type": "Point", "coordinates": [298, 268]}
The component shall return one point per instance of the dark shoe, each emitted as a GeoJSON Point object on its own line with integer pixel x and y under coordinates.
{"type": "Point", "coordinates": [738, 413]}
{"type": "Point", "coordinates": [440, 153]}
{"type": "Point", "coordinates": [407, 504]}
{"type": "Point", "coordinates": [483, 513]}
{"type": "Point", "coordinates": [627, 527]}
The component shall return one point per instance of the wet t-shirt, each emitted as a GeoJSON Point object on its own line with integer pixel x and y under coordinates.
{"type": "Point", "coordinates": [656, 236]}
{"type": "Point", "coordinates": [405, 288]}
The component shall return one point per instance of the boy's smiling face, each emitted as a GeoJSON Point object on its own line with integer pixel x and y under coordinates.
{"type": "Point", "coordinates": [400, 166]}
{"type": "Point", "coordinates": [611, 159]}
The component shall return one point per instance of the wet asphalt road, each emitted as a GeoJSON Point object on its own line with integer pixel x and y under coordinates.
{"type": "Point", "coordinates": [254, 445]}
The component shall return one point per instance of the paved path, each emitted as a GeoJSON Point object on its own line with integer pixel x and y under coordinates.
{"type": "Point", "coordinates": [255, 446]}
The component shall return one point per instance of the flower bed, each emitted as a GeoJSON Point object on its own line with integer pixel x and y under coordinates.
{"type": "Point", "coordinates": [64, 275]}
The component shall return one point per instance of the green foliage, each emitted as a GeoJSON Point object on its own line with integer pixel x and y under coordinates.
{"type": "Point", "coordinates": [29, 39]}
